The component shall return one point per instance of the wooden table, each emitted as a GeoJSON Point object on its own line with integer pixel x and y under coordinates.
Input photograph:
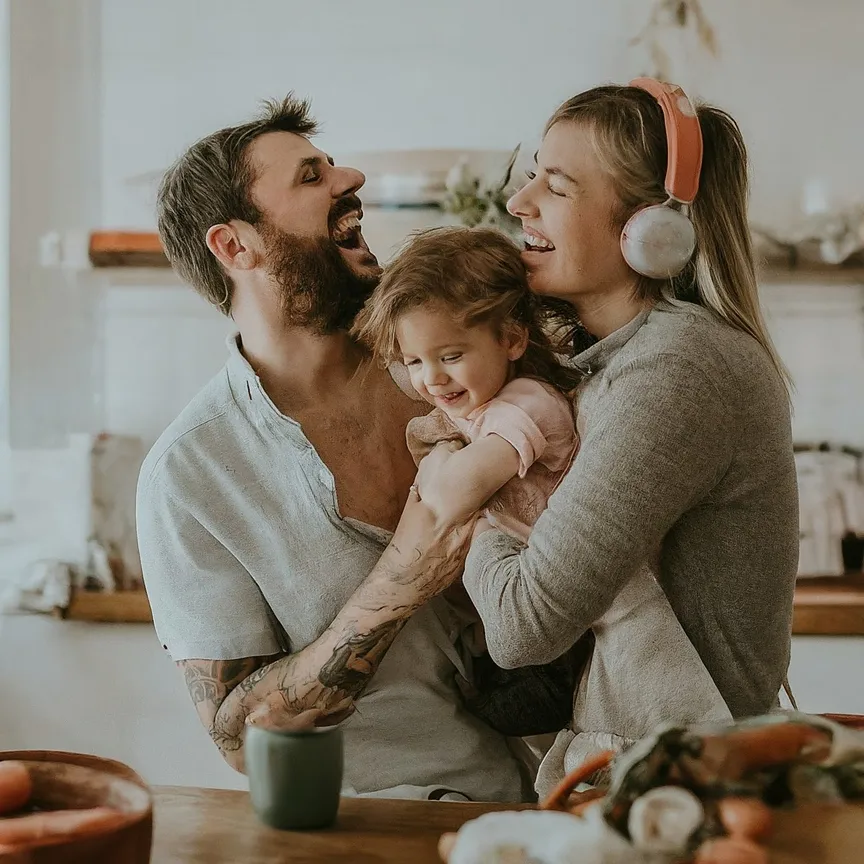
{"type": "Point", "coordinates": [217, 826]}
{"type": "Point", "coordinates": [212, 826]}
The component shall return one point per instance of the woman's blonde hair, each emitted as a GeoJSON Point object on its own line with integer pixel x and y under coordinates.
{"type": "Point", "coordinates": [629, 137]}
{"type": "Point", "coordinates": [477, 274]}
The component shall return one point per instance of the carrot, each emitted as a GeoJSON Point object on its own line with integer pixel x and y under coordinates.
{"type": "Point", "coordinates": [16, 786]}
{"type": "Point", "coordinates": [24, 830]}
{"type": "Point", "coordinates": [746, 817]}
{"type": "Point", "coordinates": [575, 777]}
{"type": "Point", "coordinates": [736, 754]}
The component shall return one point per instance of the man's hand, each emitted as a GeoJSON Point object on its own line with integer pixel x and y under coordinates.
{"type": "Point", "coordinates": [268, 716]}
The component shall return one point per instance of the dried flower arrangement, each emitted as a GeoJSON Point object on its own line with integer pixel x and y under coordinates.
{"type": "Point", "coordinates": [685, 15]}
{"type": "Point", "coordinates": [477, 200]}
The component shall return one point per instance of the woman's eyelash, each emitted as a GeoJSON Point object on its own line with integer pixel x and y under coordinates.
{"type": "Point", "coordinates": [532, 174]}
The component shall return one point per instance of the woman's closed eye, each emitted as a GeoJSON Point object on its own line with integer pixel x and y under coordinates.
{"type": "Point", "coordinates": [451, 358]}
{"type": "Point", "coordinates": [531, 175]}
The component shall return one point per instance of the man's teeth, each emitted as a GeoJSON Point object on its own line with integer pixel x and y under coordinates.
{"type": "Point", "coordinates": [535, 241]}
{"type": "Point", "coordinates": [347, 223]}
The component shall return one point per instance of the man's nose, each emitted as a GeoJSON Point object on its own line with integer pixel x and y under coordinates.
{"type": "Point", "coordinates": [348, 181]}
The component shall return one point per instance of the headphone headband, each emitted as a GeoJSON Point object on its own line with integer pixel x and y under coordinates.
{"type": "Point", "coordinates": [683, 138]}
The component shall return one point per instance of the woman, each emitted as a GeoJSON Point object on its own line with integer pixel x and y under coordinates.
{"type": "Point", "coordinates": [685, 470]}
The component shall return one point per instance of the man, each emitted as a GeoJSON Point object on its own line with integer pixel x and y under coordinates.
{"type": "Point", "coordinates": [264, 508]}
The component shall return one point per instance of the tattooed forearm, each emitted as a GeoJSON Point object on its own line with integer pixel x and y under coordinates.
{"type": "Point", "coordinates": [354, 662]}
{"type": "Point", "coordinates": [209, 683]}
{"type": "Point", "coordinates": [322, 682]}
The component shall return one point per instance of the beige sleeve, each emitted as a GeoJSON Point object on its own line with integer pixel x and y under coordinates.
{"type": "Point", "coordinates": [423, 433]}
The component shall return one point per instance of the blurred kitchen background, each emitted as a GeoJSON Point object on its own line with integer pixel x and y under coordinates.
{"type": "Point", "coordinates": [101, 346]}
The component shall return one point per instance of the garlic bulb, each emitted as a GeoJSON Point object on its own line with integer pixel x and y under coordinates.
{"type": "Point", "coordinates": [539, 837]}
{"type": "Point", "coordinates": [663, 819]}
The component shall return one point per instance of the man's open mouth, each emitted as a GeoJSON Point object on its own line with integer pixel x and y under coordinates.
{"type": "Point", "coordinates": [346, 233]}
{"type": "Point", "coordinates": [535, 243]}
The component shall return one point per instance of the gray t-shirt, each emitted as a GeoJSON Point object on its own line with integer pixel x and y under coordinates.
{"type": "Point", "coordinates": [686, 468]}
{"type": "Point", "coordinates": [244, 554]}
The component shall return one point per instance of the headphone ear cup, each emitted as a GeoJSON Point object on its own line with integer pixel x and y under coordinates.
{"type": "Point", "coordinates": [658, 241]}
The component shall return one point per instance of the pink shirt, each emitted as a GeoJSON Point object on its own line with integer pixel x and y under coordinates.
{"type": "Point", "coordinates": [537, 421]}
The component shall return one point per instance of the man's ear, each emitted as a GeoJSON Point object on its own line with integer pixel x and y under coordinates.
{"type": "Point", "coordinates": [235, 244]}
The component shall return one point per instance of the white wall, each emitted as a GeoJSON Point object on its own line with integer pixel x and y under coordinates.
{"type": "Point", "coordinates": [55, 145]}
{"type": "Point", "coordinates": [390, 74]}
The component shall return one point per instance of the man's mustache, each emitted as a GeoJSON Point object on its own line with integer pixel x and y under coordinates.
{"type": "Point", "coordinates": [346, 204]}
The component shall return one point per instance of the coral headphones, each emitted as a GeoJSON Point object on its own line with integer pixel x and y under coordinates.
{"type": "Point", "coordinates": [659, 240]}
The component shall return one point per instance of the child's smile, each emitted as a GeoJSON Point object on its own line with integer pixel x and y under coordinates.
{"type": "Point", "coordinates": [455, 367]}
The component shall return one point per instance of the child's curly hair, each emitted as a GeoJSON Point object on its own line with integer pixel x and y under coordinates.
{"type": "Point", "coordinates": [478, 274]}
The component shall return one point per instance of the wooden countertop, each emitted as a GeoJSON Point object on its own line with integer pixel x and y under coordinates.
{"type": "Point", "coordinates": [217, 826]}
{"type": "Point", "coordinates": [212, 826]}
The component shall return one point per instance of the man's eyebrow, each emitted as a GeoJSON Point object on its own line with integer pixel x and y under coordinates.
{"type": "Point", "coordinates": [558, 172]}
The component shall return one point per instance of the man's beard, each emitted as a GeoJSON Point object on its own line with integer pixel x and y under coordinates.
{"type": "Point", "coordinates": [317, 289]}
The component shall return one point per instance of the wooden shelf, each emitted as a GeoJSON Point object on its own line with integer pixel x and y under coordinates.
{"type": "Point", "coordinates": [126, 249]}
{"type": "Point", "coordinates": [143, 249]}
{"type": "Point", "coordinates": [806, 274]}
{"type": "Point", "coordinates": [130, 607]}
{"type": "Point", "coordinates": [830, 606]}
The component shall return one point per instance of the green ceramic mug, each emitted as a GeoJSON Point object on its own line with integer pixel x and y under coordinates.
{"type": "Point", "coordinates": [295, 777]}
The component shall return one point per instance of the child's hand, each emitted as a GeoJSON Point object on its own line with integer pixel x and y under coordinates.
{"type": "Point", "coordinates": [432, 482]}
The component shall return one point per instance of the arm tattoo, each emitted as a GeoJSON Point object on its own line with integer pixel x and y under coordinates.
{"type": "Point", "coordinates": [353, 663]}
{"type": "Point", "coordinates": [330, 674]}
{"type": "Point", "coordinates": [209, 682]}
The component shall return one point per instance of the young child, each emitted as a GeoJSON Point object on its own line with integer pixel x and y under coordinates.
{"type": "Point", "coordinates": [455, 308]}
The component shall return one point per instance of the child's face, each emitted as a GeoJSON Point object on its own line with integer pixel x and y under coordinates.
{"type": "Point", "coordinates": [456, 368]}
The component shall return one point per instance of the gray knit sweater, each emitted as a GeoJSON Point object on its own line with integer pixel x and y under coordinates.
{"type": "Point", "coordinates": [686, 467]}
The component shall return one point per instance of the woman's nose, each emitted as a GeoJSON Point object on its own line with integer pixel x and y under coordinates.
{"type": "Point", "coordinates": [520, 204]}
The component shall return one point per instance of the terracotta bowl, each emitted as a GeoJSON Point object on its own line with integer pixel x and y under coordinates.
{"type": "Point", "coordinates": [76, 781]}
{"type": "Point", "coordinates": [853, 721]}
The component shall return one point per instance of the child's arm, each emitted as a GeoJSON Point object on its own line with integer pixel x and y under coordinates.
{"type": "Point", "coordinates": [478, 470]}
